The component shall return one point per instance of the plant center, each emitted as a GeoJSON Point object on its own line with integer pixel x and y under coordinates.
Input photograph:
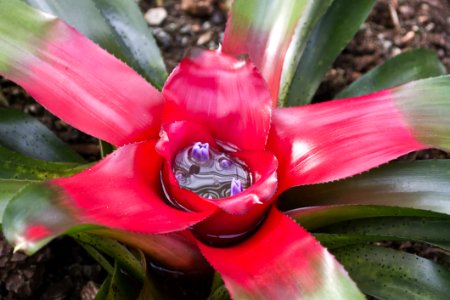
{"type": "Point", "coordinates": [210, 173]}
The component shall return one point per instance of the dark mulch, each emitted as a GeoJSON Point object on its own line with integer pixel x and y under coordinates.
{"type": "Point", "coordinates": [64, 271]}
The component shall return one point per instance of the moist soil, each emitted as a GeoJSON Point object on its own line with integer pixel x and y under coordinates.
{"type": "Point", "coordinates": [63, 270]}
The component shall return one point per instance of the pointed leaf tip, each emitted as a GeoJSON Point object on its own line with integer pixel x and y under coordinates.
{"type": "Point", "coordinates": [281, 261]}
{"type": "Point", "coordinates": [48, 58]}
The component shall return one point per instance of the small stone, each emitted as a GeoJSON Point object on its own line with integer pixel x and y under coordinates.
{"type": "Point", "coordinates": [196, 27]}
{"type": "Point", "coordinates": [386, 44]}
{"type": "Point", "coordinates": [205, 38]}
{"type": "Point", "coordinates": [89, 291]}
{"type": "Point", "coordinates": [198, 8]}
{"type": "Point", "coordinates": [422, 19]}
{"type": "Point", "coordinates": [155, 16]}
{"type": "Point", "coordinates": [206, 26]}
{"type": "Point", "coordinates": [409, 36]}
{"type": "Point", "coordinates": [18, 256]}
{"type": "Point", "coordinates": [212, 45]}
{"type": "Point", "coordinates": [430, 27]}
{"type": "Point", "coordinates": [217, 18]}
{"type": "Point", "coordinates": [172, 27]}
{"type": "Point", "coordinates": [396, 51]}
{"type": "Point", "coordinates": [225, 5]}
{"type": "Point", "coordinates": [164, 39]}
{"type": "Point", "coordinates": [184, 41]}
{"type": "Point", "coordinates": [406, 11]}
{"type": "Point", "coordinates": [186, 29]}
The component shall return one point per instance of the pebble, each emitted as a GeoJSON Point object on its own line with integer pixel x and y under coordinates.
{"type": "Point", "coordinates": [206, 26]}
{"type": "Point", "coordinates": [89, 291]}
{"type": "Point", "coordinates": [204, 38]}
{"type": "Point", "coordinates": [186, 29]}
{"type": "Point", "coordinates": [217, 18]}
{"type": "Point", "coordinates": [184, 41]}
{"type": "Point", "coordinates": [171, 27]}
{"type": "Point", "coordinates": [429, 27]}
{"type": "Point", "coordinates": [409, 36]}
{"type": "Point", "coordinates": [407, 11]}
{"type": "Point", "coordinates": [155, 16]}
{"type": "Point", "coordinates": [196, 27]}
{"type": "Point", "coordinates": [164, 39]}
{"type": "Point", "coordinates": [198, 8]}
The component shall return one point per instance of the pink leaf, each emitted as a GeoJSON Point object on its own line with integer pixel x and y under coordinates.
{"type": "Point", "coordinates": [225, 95]}
{"type": "Point", "coordinates": [280, 261]}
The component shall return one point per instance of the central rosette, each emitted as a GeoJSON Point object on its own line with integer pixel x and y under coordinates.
{"type": "Point", "coordinates": [210, 173]}
{"type": "Point", "coordinates": [216, 122]}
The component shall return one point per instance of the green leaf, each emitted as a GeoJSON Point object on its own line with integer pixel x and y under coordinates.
{"type": "Point", "coordinates": [432, 231]}
{"type": "Point", "coordinates": [8, 189]}
{"type": "Point", "coordinates": [425, 106]}
{"type": "Point", "coordinates": [125, 18]}
{"type": "Point", "coordinates": [274, 34]}
{"type": "Point", "coordinates": [30, 221]}
{"type": "Point", "coordinates": [304, 29]}
{"type": "Point", "coordinates": [218, 289]}
{"type": "Point", "coordinates": [419, 185]}
{"type": "Point", "coordinates": [24, 134]}
{"type": "Point", "coordinates": [117, 26]}
{"type": "Point", "coordinates": [332, 240]}
{"type": "Point", "coordinates": [119, 286]}
{"type": "Point", "coordinates": [115, 250]}
{"type": "Point", "coordinates": [407, 66]}
{"type": "Point", "coordinates": [149, 291]}
{"type": "Point", "coordinates": [102, 293]}
{"type": "Point", "coordinates": [99, 257]}
{"type": "Point", "coordinates": [315, 217]}
{"type": "Point", "coordinates": [39, 212]}
{"type": "Point", "coordinates": [390, 274]}
{"type": "Point", "coordinates": [99, 247]}
{"type": "Point", "coordinates": [18, 167]}
{"type": "Point", "coordinates": [105, 148]}
{"type": "Point", "coordinates": [330, 36]}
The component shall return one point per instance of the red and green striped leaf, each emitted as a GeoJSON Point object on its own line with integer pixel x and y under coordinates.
{"type": "Point", "coordinates": [8, 189]}
{"type": "Point", "coordinates": [121, 192]}
{"type": "Point", "coordinates": [280, 261]}
{"type": "Point", "coordinates": [118, 27]}
{"type": "Point", "coordinates": [337, 139]}
{"type": "Point", "coordinates": [74, 78]}
{"type": "Point", "coordinates": [273, 33]}
{"type": "Point", "coordinates": [425, 106]}
{"type": "Point", "coordinates": [17, 171]}
{"type": "Point", "coordinates": [30, 221]}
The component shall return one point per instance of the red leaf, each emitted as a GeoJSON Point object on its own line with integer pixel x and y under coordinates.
{"type": "Point", "coordinates": [123, 191]}
{"type": "Point", "coordinates": [280, 261]}
{"type": "Point", "coordinates": [225, 95]}
{"type": "Point", "coordinates": [337, 139]}
{"type": "Point", "coordinates": [88, 88]}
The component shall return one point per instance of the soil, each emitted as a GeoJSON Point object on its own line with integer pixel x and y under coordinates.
{"type": "Point", "coordinates": [63, 270]}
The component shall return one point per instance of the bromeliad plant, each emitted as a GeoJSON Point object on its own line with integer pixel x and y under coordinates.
{"type": "Point", "coordinates": [204, 171]}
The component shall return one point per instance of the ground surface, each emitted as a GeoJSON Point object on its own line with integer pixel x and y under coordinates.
{"type": "Point", "coordinates": [64, 271]}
